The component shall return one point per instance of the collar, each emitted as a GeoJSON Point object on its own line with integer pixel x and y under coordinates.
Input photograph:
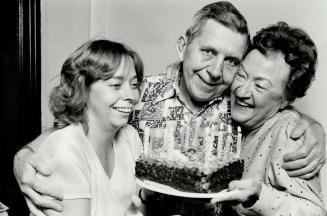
{"type": "Point", "coordinates": [173, 74]}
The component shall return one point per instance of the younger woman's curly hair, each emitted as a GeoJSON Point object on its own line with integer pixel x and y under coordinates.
{"type": "Point", "coordinates": [94, 60]}
{"type": "Point", "coordinates": [300, 54]}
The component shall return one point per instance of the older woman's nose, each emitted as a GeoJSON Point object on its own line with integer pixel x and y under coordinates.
{"type": "Point", "coordinates": [244, 90]}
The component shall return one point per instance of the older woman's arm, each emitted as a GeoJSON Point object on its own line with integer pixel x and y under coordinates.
{"type": "Point", "coordinates": [282, 194]}
{"type": "Point", "coordinates": [274, 192]}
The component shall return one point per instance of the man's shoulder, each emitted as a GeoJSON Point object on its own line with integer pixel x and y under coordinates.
{"type": "Point", "coordinates": [158, 78]}
{"type": "Point", "coordinates": [156, 86]}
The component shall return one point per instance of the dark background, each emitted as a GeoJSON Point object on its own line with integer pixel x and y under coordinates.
{"type": "Point", "coordinates": [20, 101]}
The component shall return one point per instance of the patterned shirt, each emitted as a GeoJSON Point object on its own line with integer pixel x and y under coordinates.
{"type": "Point", "coordinates": [161, 107]}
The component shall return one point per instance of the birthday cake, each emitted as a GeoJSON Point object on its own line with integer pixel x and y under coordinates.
{"type": "Point", "coordinates": [206, 161]}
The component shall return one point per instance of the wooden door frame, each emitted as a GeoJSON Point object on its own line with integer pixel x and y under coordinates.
{"type": "Point", "coordinates": [29, 51]}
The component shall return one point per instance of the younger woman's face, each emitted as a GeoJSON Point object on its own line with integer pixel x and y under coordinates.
{"type": "Point", "coordinates": [111, 101]}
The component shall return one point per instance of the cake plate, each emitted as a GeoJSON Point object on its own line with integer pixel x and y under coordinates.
{"type": "Point", "coordinates": [165, 189]}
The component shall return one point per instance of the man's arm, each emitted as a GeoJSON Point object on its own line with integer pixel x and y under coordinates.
{"type": "Point", "coordinates": [306, 161]}
{"type": "Point", "coordinates": [26, 164]}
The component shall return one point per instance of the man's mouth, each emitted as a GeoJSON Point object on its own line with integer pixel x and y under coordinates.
{"type": "Point", "coordinates": [208, 83]}
{"type": "Point", "coordinates": [123, 109]}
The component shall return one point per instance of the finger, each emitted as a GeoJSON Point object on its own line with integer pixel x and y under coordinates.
{"type": "Point", "coordinates": [296, 165]}
{"type": "Point", "coordinates": [300, 129]}
{"type": "Point", "coordinates": [300, 153]}
{"type": "Point", "coordinates": [305, 170]}
{"type": "Point", "coordinates": [40, 165]}
{"type": "Point", "coordinates": [240, 184]}
{"type": "Point", "coordinates": [43, 201]}
{"type": "Point", "coordinates": [309, 176]}
{"type": "Point", "coordinates": [33, 209]}
{"type": "Point", "coordinates": [47, 190]}
{"type": "Point", "coordinates": [226, 196]}
{"type": "Point", "coordinates": [136, 204]}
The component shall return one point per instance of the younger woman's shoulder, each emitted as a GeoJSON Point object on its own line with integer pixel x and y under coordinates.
{"type": "Point", "coordinates": [130, 136]}
{"type": "Point", "coordinates": [128, 131]}
{"type": "Point", "coordinates": [62, 141]}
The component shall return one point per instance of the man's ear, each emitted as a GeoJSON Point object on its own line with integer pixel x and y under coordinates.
{"type": "Point", "coordinates": [180, 46]}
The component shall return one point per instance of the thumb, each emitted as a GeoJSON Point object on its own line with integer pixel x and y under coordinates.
{"type": "Point", "coordinates": [40, 165]}
{"type": "Point", "coordinates": [300, 129]}
{"type": "Point", "coordinates": [134, 207]}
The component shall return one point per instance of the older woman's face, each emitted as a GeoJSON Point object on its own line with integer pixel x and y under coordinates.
{"type": "Point", "coordinates": [258, 88]}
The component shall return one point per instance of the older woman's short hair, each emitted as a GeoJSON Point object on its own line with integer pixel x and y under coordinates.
{"type": "Point", "coordinates": [94, 60]}
{"type": "Point", "coordinates": [222, 12]}
{"type": "Point", "coordinates": [300, 54]}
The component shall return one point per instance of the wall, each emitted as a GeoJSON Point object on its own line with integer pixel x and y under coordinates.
{"type": "Point", "coordinates": [65, 25]}
{"type": "Point", "coordinates": [152, 28]}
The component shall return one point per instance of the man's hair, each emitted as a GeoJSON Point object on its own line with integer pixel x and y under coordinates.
{"type": "Point", "coordinates": [94, 60]}
{"type": "Point", "coordinates": [300, 54]}
{"type": "Point", "coordinates": [222, 12]}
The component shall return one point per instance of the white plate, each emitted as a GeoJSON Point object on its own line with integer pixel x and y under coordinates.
{"type": "Point", "coordinates": [161, 188]}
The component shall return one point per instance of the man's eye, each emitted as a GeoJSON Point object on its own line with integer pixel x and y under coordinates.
{"type": "Point", "coordinates": [233, 61]}
{"type": "Point", "coordinates": [208, 52]}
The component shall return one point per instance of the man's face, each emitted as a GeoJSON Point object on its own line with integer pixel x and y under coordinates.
{"type": "Point", "coordinates": [211, 60]}
{"type": "Point", "coordinates": [257, 92]}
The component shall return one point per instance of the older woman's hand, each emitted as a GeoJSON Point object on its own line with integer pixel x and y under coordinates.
{"type": "Point", "coordinates": [307, 161]}
{"type": "Point", "coordinates": [244, 191]}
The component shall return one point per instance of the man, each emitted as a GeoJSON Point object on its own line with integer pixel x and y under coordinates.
{"type": "Point", "coordinates": [192, 92]}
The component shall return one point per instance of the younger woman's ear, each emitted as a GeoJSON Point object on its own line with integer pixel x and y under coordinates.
{"type": "Point", "coordinates": [180, 47]}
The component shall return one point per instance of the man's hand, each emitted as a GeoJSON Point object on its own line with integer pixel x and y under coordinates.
{"type": "Point", "coordinates": [307, 161]}
{"type": "Point", "coordinates": [26, 165]}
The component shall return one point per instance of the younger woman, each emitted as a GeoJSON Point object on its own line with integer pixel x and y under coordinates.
{"type": "Point", "coordinates": [92, 156]}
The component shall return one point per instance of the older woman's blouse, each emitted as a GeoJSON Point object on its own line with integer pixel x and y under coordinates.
{"type": "Point", "coordinates": [281, 194]}
{"type": "Point", "coordinates": [78, 173]}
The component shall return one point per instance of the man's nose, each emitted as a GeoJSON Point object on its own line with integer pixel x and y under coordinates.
{"type": "Point", "coordinates": [216, 68]}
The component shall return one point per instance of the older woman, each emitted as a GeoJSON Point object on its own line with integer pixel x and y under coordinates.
{"type": "Point", "coordinates": [278, 69]}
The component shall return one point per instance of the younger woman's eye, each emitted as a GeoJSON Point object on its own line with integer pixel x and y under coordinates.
{"type": "Point", "coordinates": [115, 85]}
{"type": "Point", "coordinates": [136, 85]}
